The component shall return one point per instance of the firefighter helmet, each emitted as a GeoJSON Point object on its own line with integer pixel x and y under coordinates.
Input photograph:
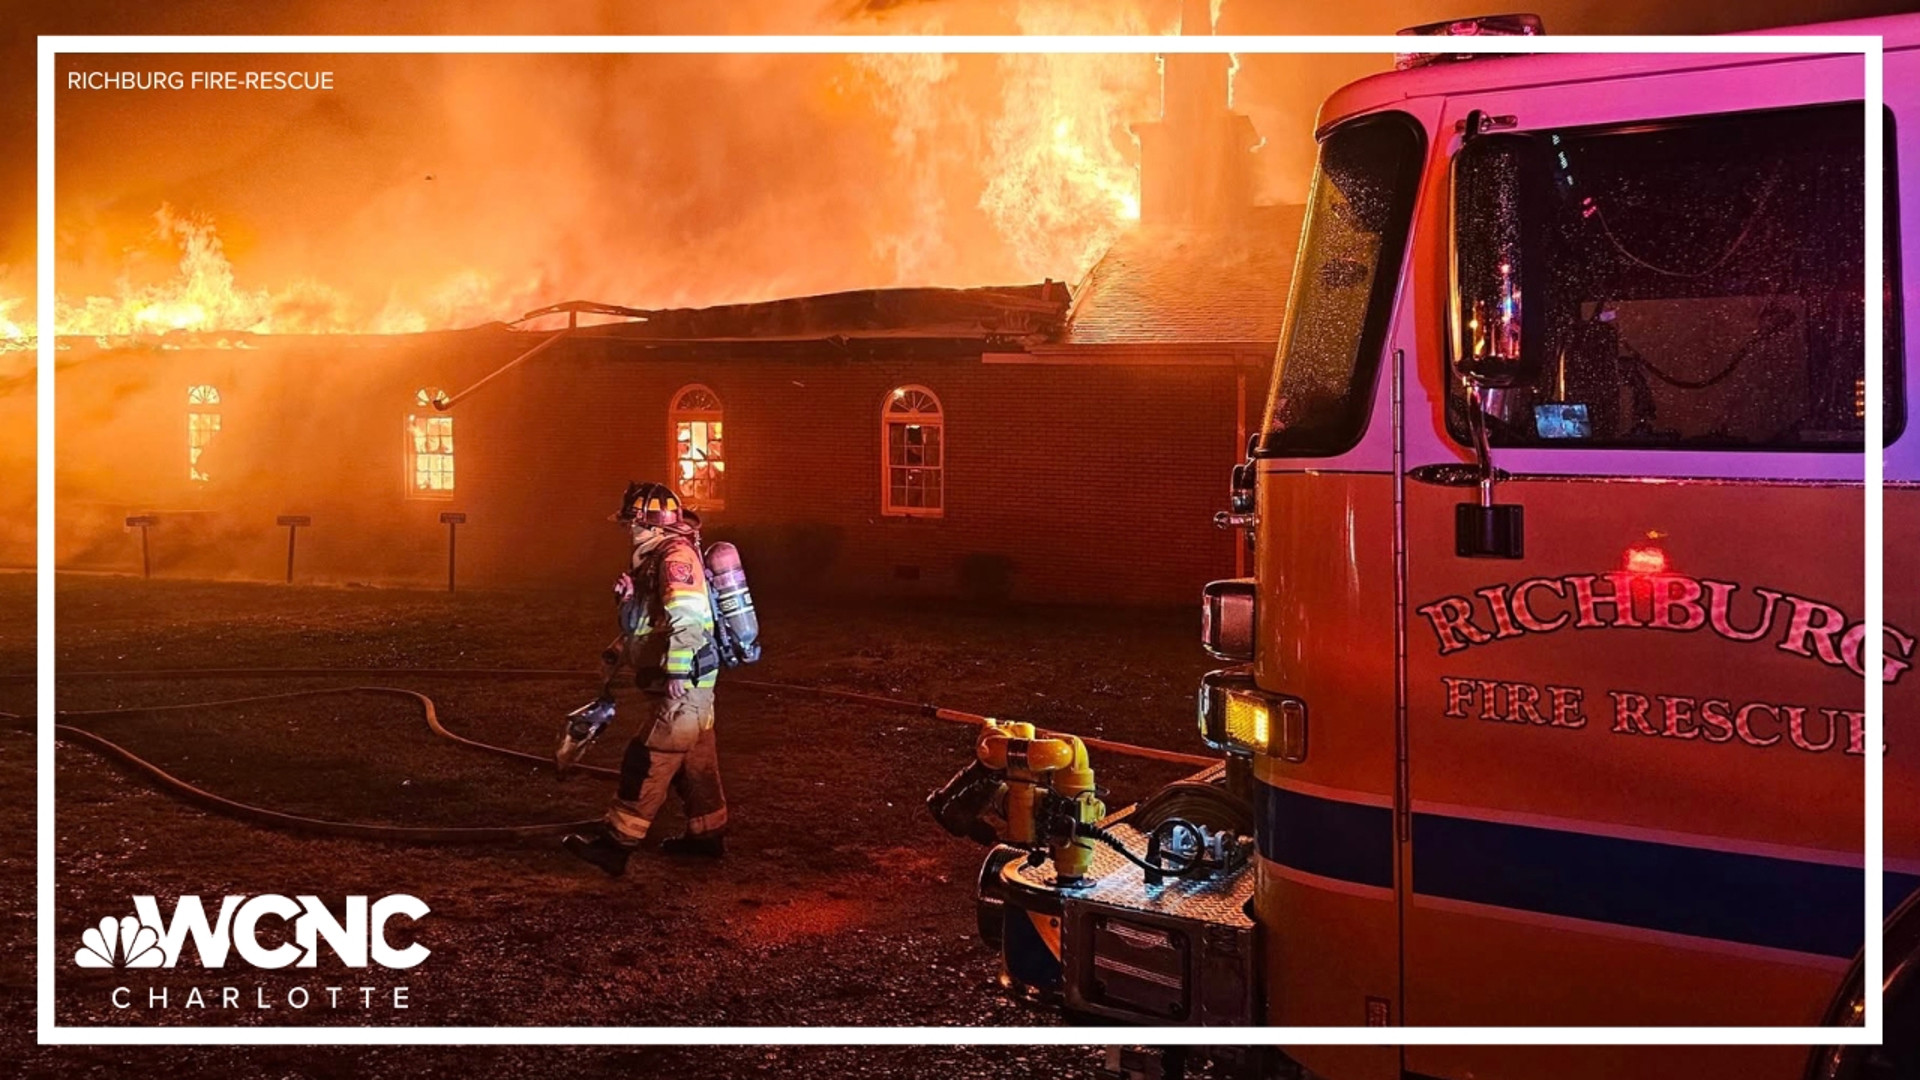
{"type": "Point", "coordinates": [649, 504]}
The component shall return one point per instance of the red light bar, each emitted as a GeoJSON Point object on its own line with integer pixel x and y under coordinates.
{"type": "Point", "coordinates": [1483, 26]}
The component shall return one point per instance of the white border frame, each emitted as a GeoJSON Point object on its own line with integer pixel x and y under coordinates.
{"type": "Point", "coordinates": [51, 48]}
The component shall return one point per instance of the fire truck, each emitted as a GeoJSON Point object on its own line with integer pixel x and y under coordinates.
{"type": "Point", "coordinates": [1543, 705]}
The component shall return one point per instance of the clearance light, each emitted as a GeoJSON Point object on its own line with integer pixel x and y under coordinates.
{"type": "Point", "coordinates": [1237, 717]}
{"type": "Point", "coordinates": [1647, 559]}
{"type": "Point", "coordinates": [1249, 722]}
{"type": "Point", "coordinates": [1219, 691]}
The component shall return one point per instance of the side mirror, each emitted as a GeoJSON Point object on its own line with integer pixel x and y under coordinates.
{"type": "Point", "coordinates": [1242, 498]}
{"type": "Point", "coordinates": [1246, 476]}
{"type": "Point", "coordinates": [1496, 331]}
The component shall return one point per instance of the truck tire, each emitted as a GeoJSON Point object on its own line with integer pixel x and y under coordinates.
{"type": "Point", "coordinates": [1899, 1057]}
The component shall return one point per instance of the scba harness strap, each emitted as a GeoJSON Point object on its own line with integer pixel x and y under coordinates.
{"type": "Point", "coordinates": [709, 587]}
{"type": "Point", "coordinates": [704, 664]}
{"type": "Point", "coordinates": [672, 576]}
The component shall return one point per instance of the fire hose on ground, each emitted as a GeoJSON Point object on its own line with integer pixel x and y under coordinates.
{"type": "Point", "coordinates": [426, 834]}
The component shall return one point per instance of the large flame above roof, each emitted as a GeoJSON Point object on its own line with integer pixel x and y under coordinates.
{"type": "Point", "coordinates": [494, 184]}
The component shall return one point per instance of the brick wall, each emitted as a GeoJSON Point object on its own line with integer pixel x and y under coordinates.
{"type": "Point", "coordinates": [1064, 483]}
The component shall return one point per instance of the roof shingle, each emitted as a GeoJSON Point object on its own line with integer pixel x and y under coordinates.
{"type": "Point", "coordinates": [1183, 287]}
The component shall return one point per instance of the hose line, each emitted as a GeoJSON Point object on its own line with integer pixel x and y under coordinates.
{"type": "Point", "coordinates": [266, 816]}
{"type": "Point", "coordinates": [280, 819]}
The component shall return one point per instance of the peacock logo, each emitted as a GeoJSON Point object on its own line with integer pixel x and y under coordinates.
{"type": "Point", "coordinates": [357, 934]}
{"type": "Point", "coordinates": [125, 942]}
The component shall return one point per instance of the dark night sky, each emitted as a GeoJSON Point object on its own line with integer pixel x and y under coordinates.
{"type": "Point", "coordinates": [1302, 80]}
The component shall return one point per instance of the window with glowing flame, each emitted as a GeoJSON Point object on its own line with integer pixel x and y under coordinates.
{"type": "Point", "coordinates": [429, 448]}
{"type": "Point", "coordinates": [203, 422]}
{"type": "Point", "coordinates": [912, 456]}
{"type": "Point", "coordinates": [699, 452]}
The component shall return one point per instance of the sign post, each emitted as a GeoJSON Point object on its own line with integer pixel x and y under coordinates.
{"type": "Point", "coordinates": [452, 521]}
{"type": "Point", "coordinates": [293, 523]}
{"type": "Point", "coordinates": [141, 522]}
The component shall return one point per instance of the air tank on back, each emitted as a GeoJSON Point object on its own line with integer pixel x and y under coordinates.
{"type": "Point", "coordinates": [734, 620]}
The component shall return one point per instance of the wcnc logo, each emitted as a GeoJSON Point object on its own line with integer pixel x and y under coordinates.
{"type": "Point", "coordinates": [146, 940]}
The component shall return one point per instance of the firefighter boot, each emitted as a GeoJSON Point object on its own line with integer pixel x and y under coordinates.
{"type": "Point", "coordinates": [599, 848]}
{"type": "Point", "coordinates": [707, 846]}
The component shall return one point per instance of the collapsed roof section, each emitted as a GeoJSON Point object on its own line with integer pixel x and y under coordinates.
{"type": "Point", "coordinates": [1178, 289]}
{"type": "Point", "coordinates": [1010, 315]}
{"type": "Point", "coordinates": [1015, 314]}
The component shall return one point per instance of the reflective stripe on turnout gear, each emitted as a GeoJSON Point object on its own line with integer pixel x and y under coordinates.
{"type": "Point", "coordinates": [682, 579]}
{"type": "Point", "coordinates": [625, 823]}
{"type": "Point", "coordinates": [651, 773]}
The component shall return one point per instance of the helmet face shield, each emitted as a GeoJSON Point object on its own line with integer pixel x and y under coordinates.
{"type": "Point", "coordinates": [648, 504]}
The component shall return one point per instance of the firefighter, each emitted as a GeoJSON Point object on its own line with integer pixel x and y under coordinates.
{"type": "Point", "coordinates": [668, 640]}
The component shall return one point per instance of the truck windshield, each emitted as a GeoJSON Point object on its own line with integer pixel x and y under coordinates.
{"type": "Point", "coordinates": [1343, 286]}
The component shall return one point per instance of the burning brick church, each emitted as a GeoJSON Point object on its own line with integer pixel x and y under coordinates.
{"type": "Point", "coordinates": [1046, 442]}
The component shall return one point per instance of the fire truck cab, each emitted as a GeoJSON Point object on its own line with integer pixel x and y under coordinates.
{"type": "Point", "coordinates": [1546, 693]}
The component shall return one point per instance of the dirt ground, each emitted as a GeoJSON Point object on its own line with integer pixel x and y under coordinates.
{"type": "Point", "coordinates": [839, 902]}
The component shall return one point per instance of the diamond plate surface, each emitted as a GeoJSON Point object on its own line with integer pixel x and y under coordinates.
{"type": "Point", "coordinates": [1114, 882]}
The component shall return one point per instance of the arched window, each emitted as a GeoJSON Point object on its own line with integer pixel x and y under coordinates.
{"type": "Point", "coordinates": [429, 446]}
{"type": "Point", "coordinates": [913, 462]}
{"type": "Point", "coordinates": [203, 422]}
{"type": "Point", "coordinates": [696, 442]}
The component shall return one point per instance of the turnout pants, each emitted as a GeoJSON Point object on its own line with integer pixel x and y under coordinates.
{"type": "Point", "coordinates": [677, 756]}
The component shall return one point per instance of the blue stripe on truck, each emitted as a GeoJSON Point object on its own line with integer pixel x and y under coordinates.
{"type": "Point", "coordinates": [1762, 900]}
{"type": "Point", "coordinates": [1777, 903]}
{"type": "Point", "coordinates": [1328, 837]}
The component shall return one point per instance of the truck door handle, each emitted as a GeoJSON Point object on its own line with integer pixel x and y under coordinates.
{"type": "Point", "coordinates": [1453, 474]}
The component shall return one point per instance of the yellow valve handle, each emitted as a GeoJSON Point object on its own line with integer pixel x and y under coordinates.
{"type": "Point", "coordinates": [1019, 748]}
{"type": "Point", "coordinates": [1034, 759]}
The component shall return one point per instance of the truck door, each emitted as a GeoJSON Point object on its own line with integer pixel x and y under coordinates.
{"type": "Point", "coordinates": [1633, 786]}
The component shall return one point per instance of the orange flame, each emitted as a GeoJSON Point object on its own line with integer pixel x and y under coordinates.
{"type": "Point", "coordinates": [1061, 165]}
{"type": "Point", "coordinates": [1065, 175]}
{"type": "Point", "coordinates": [1032, 152]}
{"type": "Point", "coordinates": [203, 295]}
{"type": "Point", "coordinates": [200, 295]}
{"type": "Point", "coordinates": [1061, 186]}
{"type": "Point", "coordinates": [13, 334]}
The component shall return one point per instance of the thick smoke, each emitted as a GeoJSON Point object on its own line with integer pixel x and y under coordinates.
{"type": "Point", "coordinates": [434, 191]}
